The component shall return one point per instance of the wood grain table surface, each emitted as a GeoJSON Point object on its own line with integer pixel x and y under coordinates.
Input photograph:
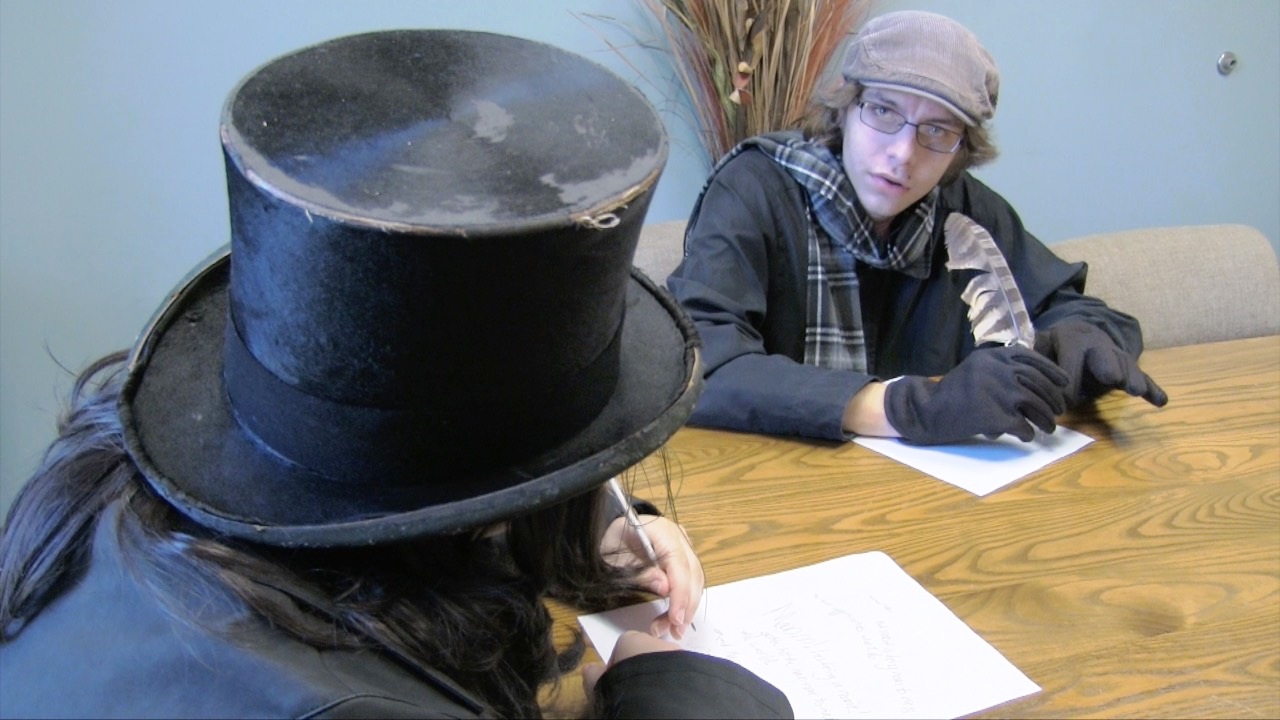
{"type": "Point", "coordinates": [1137, 577]}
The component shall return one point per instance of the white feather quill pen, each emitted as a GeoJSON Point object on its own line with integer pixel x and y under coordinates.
{"type": "Point", "coordinates": [996, 309]}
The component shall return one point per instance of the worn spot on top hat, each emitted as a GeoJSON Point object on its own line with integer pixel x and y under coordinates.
{"type": "Point", "coordinates": [464, 209]}
{"type": "Point", "coordinates": [573, 193]}
{"type": "Point", "coordinates": [492, 121]}
{"type": "Point", "coordinates": [584, 125]}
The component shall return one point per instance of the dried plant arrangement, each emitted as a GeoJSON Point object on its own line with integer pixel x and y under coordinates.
{"type": "Point", "coordinates": [749, 66]}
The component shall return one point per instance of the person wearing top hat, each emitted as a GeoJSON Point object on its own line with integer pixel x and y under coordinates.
{"type": "Point", "coordinates": [851, 277]}
{"type": "Point", "coordinates": [350, 456]}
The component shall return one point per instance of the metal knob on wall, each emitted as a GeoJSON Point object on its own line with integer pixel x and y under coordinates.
{"type": "Point", "coordinates": [1227, 62]}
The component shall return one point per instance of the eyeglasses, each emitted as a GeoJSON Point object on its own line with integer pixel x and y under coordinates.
{"type": "Point", "coordinates": [890, 121]}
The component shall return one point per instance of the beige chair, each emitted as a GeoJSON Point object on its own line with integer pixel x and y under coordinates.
{"type": "Point", "coordinates": [1185, 284]}
{"type": "Point", "coordinates": [660, 249]}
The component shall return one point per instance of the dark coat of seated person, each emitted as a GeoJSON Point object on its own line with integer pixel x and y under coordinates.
{"type": "Point", "coordinates": [852, 278]}
{"type": "Point", "coordinates": [354, 452]}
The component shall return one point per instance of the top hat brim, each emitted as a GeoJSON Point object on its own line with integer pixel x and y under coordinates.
{"type": "Point", "coordinates": [181, 431]}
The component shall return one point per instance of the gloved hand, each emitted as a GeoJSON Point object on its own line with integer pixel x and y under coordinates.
{"type": "Point", "coordinates": [1095, 363]}
{"type": "Point", "coordinates": [991, 392]}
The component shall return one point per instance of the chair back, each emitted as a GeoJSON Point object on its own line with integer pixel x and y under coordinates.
{"type": "Point", "coordinates": [661, 249]}
{"type": "Point", "coordinates": [1186, 284]}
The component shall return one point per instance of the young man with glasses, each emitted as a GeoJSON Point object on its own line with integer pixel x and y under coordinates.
{"type": "Point", "coordinates": [816, 261]}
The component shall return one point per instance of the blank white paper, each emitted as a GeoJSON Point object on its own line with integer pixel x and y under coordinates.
{"type": "Point", "coordinates": [980, 465]}
{"type": "Point", "coordinates": [854, 637]}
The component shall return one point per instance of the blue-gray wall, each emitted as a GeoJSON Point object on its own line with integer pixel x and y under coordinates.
{"type": "Point", "coordinates": [1112, 116]}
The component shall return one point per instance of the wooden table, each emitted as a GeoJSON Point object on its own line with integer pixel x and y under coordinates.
{"type": "Point", "coordinates": [1138, 577]}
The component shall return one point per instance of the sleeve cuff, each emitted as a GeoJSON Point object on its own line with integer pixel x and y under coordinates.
{"type": "Point", "coordinates": [684, 684]}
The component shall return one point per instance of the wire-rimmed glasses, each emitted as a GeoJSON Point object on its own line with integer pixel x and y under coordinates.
{"type": "Point", "coordinates": [887, 120]}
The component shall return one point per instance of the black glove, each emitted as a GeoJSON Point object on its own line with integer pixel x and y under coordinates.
{"type": "Point", "coordinates": [991, 392]}
{"type": "Point", "coordinates": [1095, 363]}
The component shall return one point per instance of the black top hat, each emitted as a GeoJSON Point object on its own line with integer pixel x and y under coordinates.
{"type": "Point", "coordinates": [427, 319]}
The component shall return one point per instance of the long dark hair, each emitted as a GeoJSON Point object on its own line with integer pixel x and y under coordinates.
{"type": "Point", "coordinates": [469, 605]}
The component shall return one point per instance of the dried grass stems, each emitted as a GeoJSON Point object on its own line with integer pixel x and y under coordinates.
{"type": "Point", "coordinates": [750, 66]}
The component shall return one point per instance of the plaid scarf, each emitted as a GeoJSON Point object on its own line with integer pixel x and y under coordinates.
{"type": "Point", "coordinates": [840, 236]}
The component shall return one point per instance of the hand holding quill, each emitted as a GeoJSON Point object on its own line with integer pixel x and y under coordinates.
{"type": "Point", "coordinates": [1006, 389]}
{"type": "Point", "coordinates": [1091, 359]}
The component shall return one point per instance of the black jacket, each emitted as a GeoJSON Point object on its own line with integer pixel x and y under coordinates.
{"type": "Point", "coordinates": [744, 283]}
{"type": "Point", "coordinates": [107, 648]}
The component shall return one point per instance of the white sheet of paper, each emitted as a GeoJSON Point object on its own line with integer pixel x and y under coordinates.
{"type": "Point", "coordinates": [980, 465]}
{"type": "Point", "coordinates": [854, 637]}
